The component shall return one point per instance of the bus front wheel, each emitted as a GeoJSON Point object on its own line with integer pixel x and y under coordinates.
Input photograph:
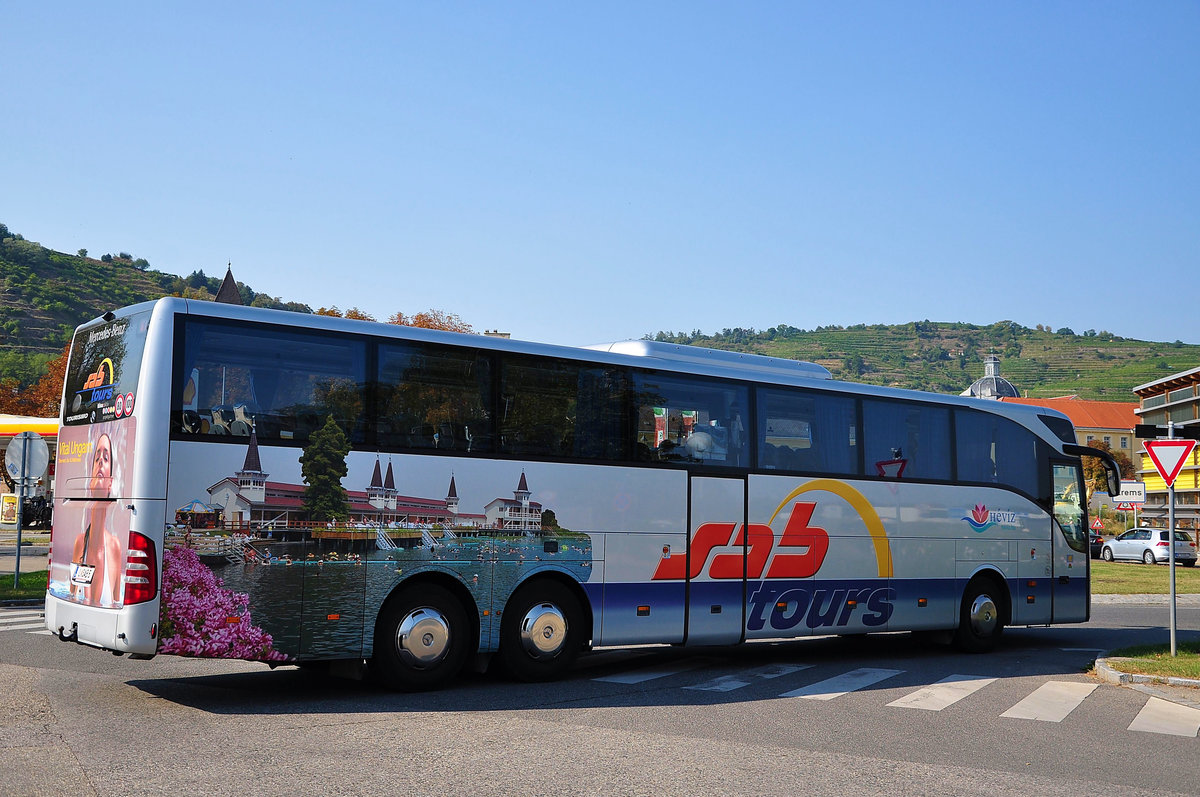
{"type": "Point", "coordinates": [540, 632]}
{"type": "Point", "coordinates": [421, 639]}
{"type": "Point", "coordinates": [981, 618]}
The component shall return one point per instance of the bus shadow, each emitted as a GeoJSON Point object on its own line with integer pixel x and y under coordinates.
{"type": "Point", "coordinates": [658, 677]}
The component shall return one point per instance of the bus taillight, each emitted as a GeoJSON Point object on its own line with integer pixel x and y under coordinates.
{"type": "Point", "coordinates": [141, 570]}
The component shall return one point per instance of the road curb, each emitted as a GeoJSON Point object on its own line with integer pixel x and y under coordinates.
{"type": "Point", "coordinates": [1114, 676]}
{"type": "Point", "coordinates": [1105, 671]}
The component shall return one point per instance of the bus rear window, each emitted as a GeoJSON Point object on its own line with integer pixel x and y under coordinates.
{"type": "Point", "coordinates": [102, 374]}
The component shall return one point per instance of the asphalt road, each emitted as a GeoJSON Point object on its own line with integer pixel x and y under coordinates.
{"type": "Point", "coordinates": [887, 714]}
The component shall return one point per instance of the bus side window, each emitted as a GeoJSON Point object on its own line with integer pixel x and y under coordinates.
{"type": "Point", "coordinates": [996, 450]}
{"type": "Point", "coordinates": [691, 421]}
{"type": "Point", "coordinates": [433, 398]}
{"type": "Point", "coordinates": [806, 431]}
{"type": "Point", "coordinates": [906, 439]}
{"type": "Point", "coordinates": [539, 405]}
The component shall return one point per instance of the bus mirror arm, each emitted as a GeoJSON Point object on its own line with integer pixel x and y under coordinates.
{"type": "Point", "coordinates": [1112, 471]}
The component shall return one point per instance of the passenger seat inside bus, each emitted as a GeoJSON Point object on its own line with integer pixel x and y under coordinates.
{"type": "Point", "coordinates": [222, 419]}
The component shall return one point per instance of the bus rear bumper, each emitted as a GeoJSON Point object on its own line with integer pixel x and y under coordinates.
{"type": "Point", "coordinates": [131, 629]}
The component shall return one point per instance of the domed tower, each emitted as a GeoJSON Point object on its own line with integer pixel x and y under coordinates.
{"type": "Point", "coordinates": [992, 385]}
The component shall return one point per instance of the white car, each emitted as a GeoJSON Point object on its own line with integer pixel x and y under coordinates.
{"type": "Point", "coordinates": [1150, 546]}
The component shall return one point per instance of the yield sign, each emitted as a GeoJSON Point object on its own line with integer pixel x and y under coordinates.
{"type": "Point", "coordinates": [1169, 456]}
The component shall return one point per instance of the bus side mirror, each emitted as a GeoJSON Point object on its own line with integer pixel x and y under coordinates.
{"type": "Point", "coordinates": [1112, 471]}
{"type": "Point", "coordinates": [1114, 479]}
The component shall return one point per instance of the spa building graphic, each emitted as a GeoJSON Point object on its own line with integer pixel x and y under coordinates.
{"type": "Point", "coordinates": [248, 498]}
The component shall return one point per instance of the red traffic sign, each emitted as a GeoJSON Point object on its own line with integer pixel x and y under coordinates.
{"type": "Point", "coordinates": [1124, 507]}
{"type": "Point", "coordinates": [1097, 525]}
{"type": "Point", "coordinates": [1169, 457]}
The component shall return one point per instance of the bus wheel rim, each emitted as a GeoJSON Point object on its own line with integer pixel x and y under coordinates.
{"type": "Point", "coordinates": [543, 631]}
{"type": "Point", "coordinates": [423, 638]}
{"type": "Point", "coordinates": [984, 616]}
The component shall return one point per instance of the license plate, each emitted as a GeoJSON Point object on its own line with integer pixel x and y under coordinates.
{"type": "Point", "coordinates": [82, 574]}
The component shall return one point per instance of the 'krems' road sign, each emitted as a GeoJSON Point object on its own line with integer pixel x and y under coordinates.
{"type": "Point", "coordinates": [1132, 493]}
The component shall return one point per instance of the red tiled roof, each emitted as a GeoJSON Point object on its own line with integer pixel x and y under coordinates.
{"type": "Point", "coordinates": [1089, 414]}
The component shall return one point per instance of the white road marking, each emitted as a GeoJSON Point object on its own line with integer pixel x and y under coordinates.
{"type": "Point", "coordinates": [727, 683]}
{"type": "Point", "coordinates": [649, 674]}
{"type": "Point", "coordinates": [1163, 716]}
{"type": "Point", "coordinates": [945, 692]}
{"type": "Point", "coordinates": [842, 684]}
{"type": "Point", "coordinates": [1051, 702]}
{"type": "Point", "coordinates": [23, 627]}
{"type": "Point", "coordinates": [18, 617]}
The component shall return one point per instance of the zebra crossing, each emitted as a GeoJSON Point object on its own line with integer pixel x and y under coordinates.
{"type": "Point", "coordinates": [1052, 701]}
{"type": "Point", "coordinates": [21, 619]}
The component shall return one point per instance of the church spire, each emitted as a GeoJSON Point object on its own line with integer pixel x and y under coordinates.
{"type": "Point", "coordinates": [229, 293]}
{"type": "Point", "coordinates": [452, 497]}
{"type": "Point", "coordinates": [252, 463]}
{"type": "Point", "coordinates": [252, 481]}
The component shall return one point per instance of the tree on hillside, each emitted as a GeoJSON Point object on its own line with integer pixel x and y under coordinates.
{"type": "Point", "coordinates": [41, 399]}
{"type": "Point", "coordinates": [323, 465]}
{"type": "Point", "coordinates": [432, 319]}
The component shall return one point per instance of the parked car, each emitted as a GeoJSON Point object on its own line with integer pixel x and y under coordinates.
{"type": "Point", "coordinates": [1150, 546]}
{"type": "Point", "coordinates": [1097, 543]}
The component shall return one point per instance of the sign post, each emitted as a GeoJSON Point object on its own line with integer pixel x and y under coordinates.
{"type": "Point", "coordinates": [25, 459]}
{"type": "Point", "coordinates": [1169, 456]}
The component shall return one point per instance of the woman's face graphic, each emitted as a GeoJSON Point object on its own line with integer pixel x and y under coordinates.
{"type": "Point", "coordinates": [101, 465]}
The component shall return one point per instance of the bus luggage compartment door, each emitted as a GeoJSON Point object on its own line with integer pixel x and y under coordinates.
{"type": "Point", "coordinates": [717, 555]}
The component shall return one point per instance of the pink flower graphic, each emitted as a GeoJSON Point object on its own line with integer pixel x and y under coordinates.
{"type": "Point", "coordinates": [202, 618]}
{"type": "Point", "coordinates": [980, 514]}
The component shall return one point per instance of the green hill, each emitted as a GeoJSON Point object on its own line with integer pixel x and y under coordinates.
{"type": "Point", "coordinates": [45, 294]}
{"type": "Point", "coordinates": [948, 357]}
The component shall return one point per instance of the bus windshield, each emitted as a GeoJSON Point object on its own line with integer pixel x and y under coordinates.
{"type": "Point", "coordinates": [103, 370]}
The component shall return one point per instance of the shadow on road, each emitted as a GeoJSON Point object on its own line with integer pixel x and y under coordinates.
{"type": "Point", "coordinates": [1059, 651]}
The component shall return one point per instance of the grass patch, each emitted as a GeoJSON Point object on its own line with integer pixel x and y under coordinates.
{"type": "Point", "coordinates": [1157, 660]}
{"type": "Point", "coordinates": [1134, 578]}
{"type": "Point", "coordinates": [31, 586]}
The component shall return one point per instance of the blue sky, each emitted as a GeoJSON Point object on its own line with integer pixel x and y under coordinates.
{"type": "Point", "coordinates": [577, 173]}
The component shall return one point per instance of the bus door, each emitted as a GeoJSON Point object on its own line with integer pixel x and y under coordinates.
{"type": "Point", "coordinates": [1070, 544]}
{"type": "Point", "coordinates": [716, 588]}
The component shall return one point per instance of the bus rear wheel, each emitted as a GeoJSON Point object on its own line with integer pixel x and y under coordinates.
{"type": "Point", "coordinates": [421, 638]}
{"type": "Point", "coordinates": [981, 618]}
{"type": "Point", "coordinates": [540, 634]}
